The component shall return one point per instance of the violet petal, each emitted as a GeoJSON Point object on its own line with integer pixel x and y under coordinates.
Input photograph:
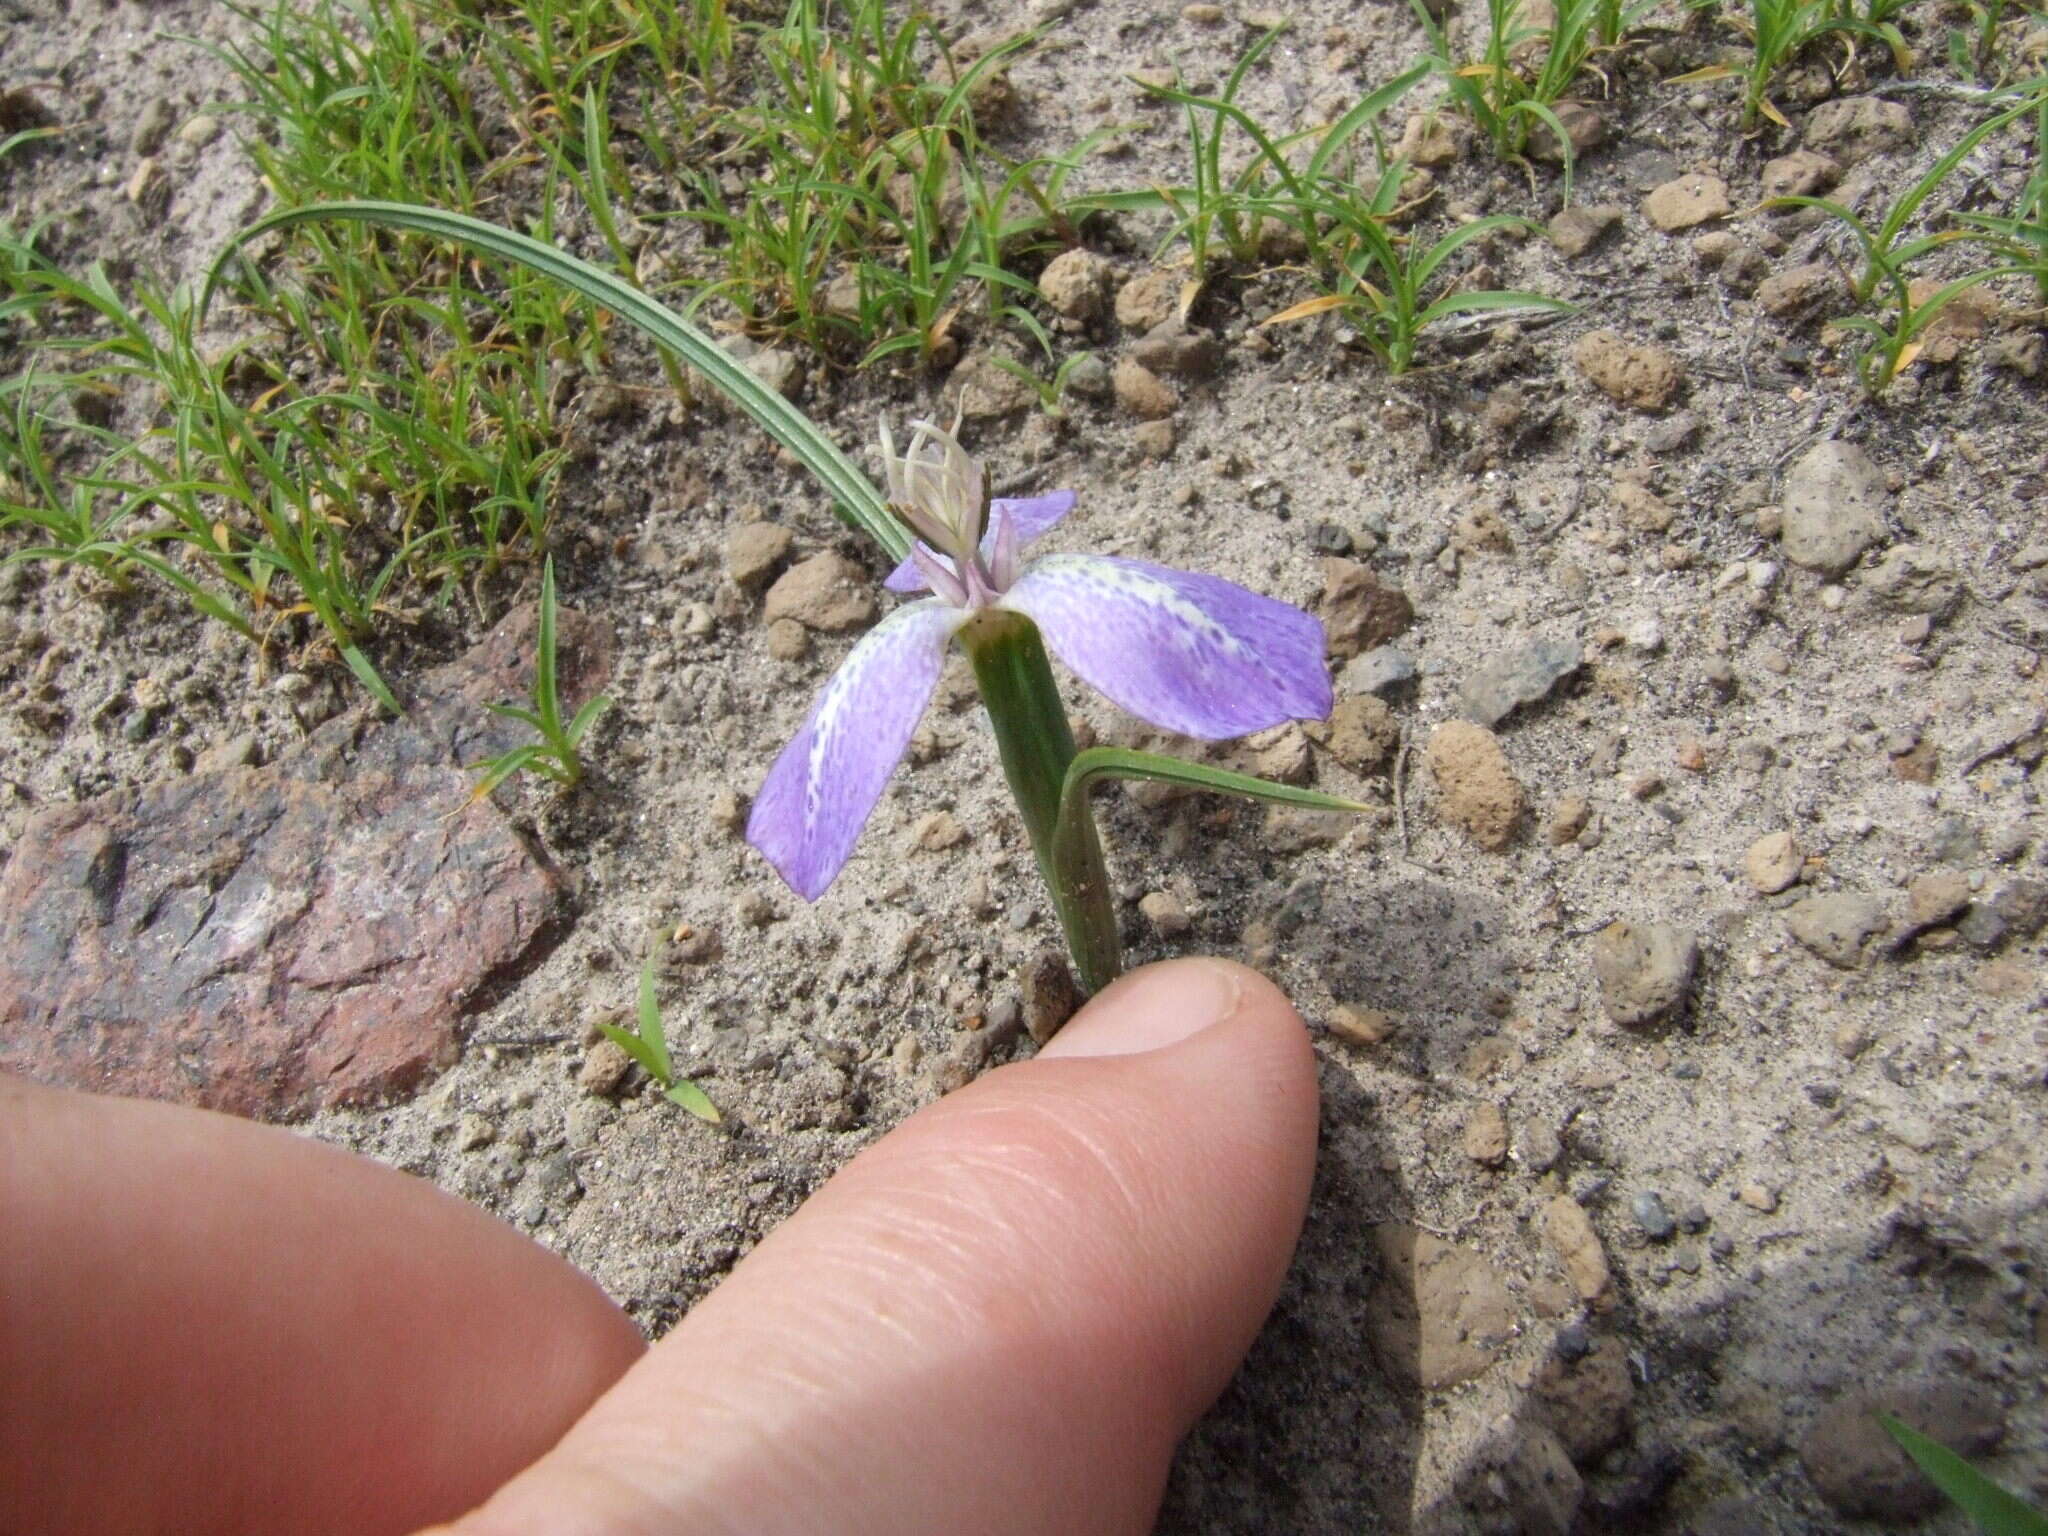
{"type": "Point", "coordinates": [819, 793]}
{"type": "Point", "coordinates": [1193, 654]}
{"type": "Point", "coordinates": [1029, 515]}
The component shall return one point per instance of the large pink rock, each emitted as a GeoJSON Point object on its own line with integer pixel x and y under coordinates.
{"type": "Point", "coordinates": [274, 940]}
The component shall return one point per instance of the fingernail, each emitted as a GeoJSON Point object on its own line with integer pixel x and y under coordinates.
{"type": "Point", "coordinates": [1153, 1008]}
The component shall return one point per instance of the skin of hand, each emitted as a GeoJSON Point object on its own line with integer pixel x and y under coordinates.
{"type": "Point", "coordinates": [1001, 1317]}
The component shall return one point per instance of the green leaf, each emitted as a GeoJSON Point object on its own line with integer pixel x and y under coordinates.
{"type": "Point", "coordinates": [366, 674]}
{"type": "Point", "coordinates": [1996, 1512]}
{"type": "Point", "coordinates": [632, 1044]}
{"type": "Point", "coordinates": [688, 1095]}
{"type": "Point", "coordinates": [1069, 837]}
{"type": "Point", "coordinates": [855, 493]}
{"type": "Point", "coordinates": [650, 1025]}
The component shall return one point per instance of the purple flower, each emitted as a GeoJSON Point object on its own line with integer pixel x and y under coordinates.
{"type": "Point", "coordinates": [1192, 654]}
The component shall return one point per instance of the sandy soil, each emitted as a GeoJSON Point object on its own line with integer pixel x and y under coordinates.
{"type": "Point", "coordinates": [1807, 1177]}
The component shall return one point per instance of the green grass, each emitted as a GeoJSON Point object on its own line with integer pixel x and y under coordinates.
{"type": "Point", "coordinates": [1779, 32]}
{"type": "Point", "coordinates": [556, 754]}
{"type": "Point", "coordinates": [1522, 71]}
{"type": "Point", "coordinates": [1900, 306]}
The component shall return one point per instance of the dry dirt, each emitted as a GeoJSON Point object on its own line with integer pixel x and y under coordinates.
{"type": "Point", "coordinates": [1812, 1162]}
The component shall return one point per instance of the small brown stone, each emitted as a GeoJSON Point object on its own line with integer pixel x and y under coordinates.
{"type": "Point", "coordinates": [605, 1068]}
{"type": "Point", "coordinates": [937, 831]}
{"type": "Point", "coordinates": [1568, 819]}
{"type": "Point", "coordinates": [1799, 290]}
{"type": "Point", "coordinates": [1153, 439]}
{"type": "Point", "coordinates": [1477, 789]}
{"type": "Point", "coordinates": [1800, 174]}
{"type": "Point", "coordinates": [1486, 1135]}
{"type": "Point", "coordinates": [1149, 299]}
{"type": "Point", "coordinates": [1580, 227]}
{"type": "Point", "coordinates": [1644, 377]}
{"type": "Point", "coordinates": [1772, 862]}
{"type": "Point", "coordinates": [1361, 732]}
{"type": "Point", "coordinates": [1361, 1026]}
{"type": "Point", "coordinates": [1688, 202]}
{"type": "Point", "coordinates": [788, 640]}
{"type": "Point", "coordinates": [826, 592]}
{"type": "Point", "coordinates": [1165, 912]}
{"type": "Point", "coordinates": [1074, 283]}
{"type": "Point", "coordinates": [1936, 896]}
{"type": "Point", "coordinates": [1142, 392]}
{"type": "Point", "coordinates": [1358, 611]}
{"type": "Point", "coordinates": [754, 552]}
{"type": "Point", "coordinates": [1577, 1246]}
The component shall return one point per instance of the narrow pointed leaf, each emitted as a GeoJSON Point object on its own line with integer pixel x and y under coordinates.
{"type": "Point", "coordinates": [1097, 763]}
{"type": "Point", "coordinates": [1997, 1512]}
{"type": "Point", "coordinates": [782, 421]}
{"type": "Point", "coordinates": [649, 1008]}
{"type": "Point", "coordinates": [687, 1095]}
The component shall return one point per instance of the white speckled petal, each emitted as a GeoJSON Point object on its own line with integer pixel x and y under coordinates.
{"type": "Point", "coordinates": [1193, 654]}
{"type": "Point", "coordinates": [817, 796]}
{"type": "Point", "coordinates": [1030, 515]}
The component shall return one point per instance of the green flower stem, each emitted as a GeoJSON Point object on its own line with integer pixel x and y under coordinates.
{"type": "Point", "coordinates": [1037, 745]}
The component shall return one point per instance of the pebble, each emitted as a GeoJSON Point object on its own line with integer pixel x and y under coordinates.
{"type": "Point", "coordinates": [1936, 896]}
{"type": "Point", "coordinates": [937, 831]}
{"type": "Point", "coordinates": [755, 552]}
{"type": "Point", "coordinates": [474, 1131]}
{"type": "Point", "coordinates": [556, 1178]}
{"type": "Point", "coordinates": [1522, 674]}
{"type": "Point", "coordinates": [1440, 1314]}
{"type": "Point", "coordinates": [826, 592]}
{"type": "Point", "coordinates": [1075, 283]}
{"type": "Point", "coordinates": [1645, 970]}
{"type": "Point", "coordinates": [1688, 202]}
{"type": "Point", "coordinates": [1912, 579]}
{"type": "Point", "coordinates": [985, 390]}
{"type": "Point", "coordinates": [1142, 392]}
{"type": "Point", "coordinates": [1839, 926]}
{"type": "Point", "coordinates": [1772, 862]}
{"type": "Point", "coordinates": [1799, 290]}
{"type": "Point", "coordinates": [1359, 611]}
{"type": "Point", "coordinates": [1577, 1246]}
{"type": "Point", "coordinates": [1802, 173]}
{"type": "Point", "coordinates": [1758, 1197]}
{"type": "Point", "coordinates": [1089, 378]}
{"type": "Point", "coordinates": [152, 127]}
{"type": "Point", "coordinates": [1154, 440]}
{"type": "Point", "coordinates": [1834, 507]}
{"type": "Point", "coordinates": [1537, 1145]}
{"type": "Point", "coordinates": [1361, 1026]}
{"type": "Point", "coordinates": [1477, 789]}
{"type": "Point", "coordinates": [1050, 995]}
{"type": "Point", "coordinates": [605, 1068]}
{"type": "Point", "coordinates": [1644, 377]}
{"type": "Point", "coordinates": [1175, 347]}
{"type": "Point", "coordinates": [1486, 1135]}
{"type": "Point", "coordinates": [1166, 913]}
{"type": "Point", "coordinates": [788, 640]}
{"type": "Point", "coordinates": [1149, 299]}
{"type": "Point", "coordinates": [1568, 819]}
{"type": "Point", "coordinates": [2017, 909]}
{"type": "Point", "coordinates": [1361, 733]}
{"type": "Point", "coordinates": [199, 131]}
{"type": "Point", "coordinates": [1851, 129]}
{"type": "Point", "coordinates": [1648, 1209]}
{"type": "Point", "coordinates": [1380, 670]}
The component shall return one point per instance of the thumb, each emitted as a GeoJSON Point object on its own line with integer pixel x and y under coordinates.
{"type": "Point", "coordinates": [999, 1318]}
